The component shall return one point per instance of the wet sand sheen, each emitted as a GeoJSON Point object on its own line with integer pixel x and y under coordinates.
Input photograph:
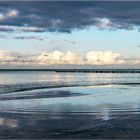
{"type": "Point", "coordinates": [76, 112]}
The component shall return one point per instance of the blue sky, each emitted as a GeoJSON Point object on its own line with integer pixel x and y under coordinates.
{"type": "Point", "coordinates": [80, 33]}
{"type": "Point", "coordinates": [80, 41]}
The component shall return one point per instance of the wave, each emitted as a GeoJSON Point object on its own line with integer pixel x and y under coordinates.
{"type": "Point", "coordinates": [35, 86]}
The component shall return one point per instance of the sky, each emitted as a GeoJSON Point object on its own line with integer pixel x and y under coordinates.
{"type": "Point", "coordinates": [47, 34]}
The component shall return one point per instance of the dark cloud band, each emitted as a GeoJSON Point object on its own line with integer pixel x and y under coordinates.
{"type": "Point", "coordinates": [67, 16]}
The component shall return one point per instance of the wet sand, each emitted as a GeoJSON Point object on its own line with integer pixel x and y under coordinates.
{"type": "Point", "coordinates": [73, 113]}
{"type": "Point", "coordinates": [67, 126]}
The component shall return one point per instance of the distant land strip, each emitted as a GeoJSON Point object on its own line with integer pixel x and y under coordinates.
{"type": "Point", "coordinates": [79, 70]}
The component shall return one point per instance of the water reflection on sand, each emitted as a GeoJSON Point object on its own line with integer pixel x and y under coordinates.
{"type": "Point", "coordinates": [86, 112]}
{"type": "Point", "coordinates": [8, 122]}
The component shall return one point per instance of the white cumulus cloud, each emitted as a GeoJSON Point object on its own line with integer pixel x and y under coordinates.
{"type": "Point", "coordinates": [58, 57]}
{"type": "Point", "coordinates": [6, 56]}
{"type": "Point", "coordinates": [62, 58]}
{"type": "Point", "coordinates": [103, 57]}
{"type": "Point", "coordinates": [12, 13]}
{"type": "Point", "coordinates": [9, 14]}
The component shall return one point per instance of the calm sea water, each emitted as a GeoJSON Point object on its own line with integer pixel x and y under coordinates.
{"type": "Point", "coordinates": [30, 80]}
{"type": "Point", "coordinates": [69, 105]}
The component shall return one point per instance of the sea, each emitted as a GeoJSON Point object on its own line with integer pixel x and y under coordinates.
{"type": "Point", "coordinates": [53, 105]}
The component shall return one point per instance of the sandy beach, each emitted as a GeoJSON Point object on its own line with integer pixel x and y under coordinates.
{"type": "Point", "coordinates": [71, 113]}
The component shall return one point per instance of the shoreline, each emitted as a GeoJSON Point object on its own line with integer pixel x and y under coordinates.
{"type": "Point", "coordinates": [100, 113]}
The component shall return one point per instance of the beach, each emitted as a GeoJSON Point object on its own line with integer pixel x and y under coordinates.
{"type": "Point", "coordinates": [106, 112]}
{"type": "Point", "coordinates": [69, 69]}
